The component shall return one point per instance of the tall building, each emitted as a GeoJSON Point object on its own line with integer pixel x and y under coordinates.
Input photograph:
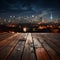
{"type": "Point", "coordinates": [51, 17]}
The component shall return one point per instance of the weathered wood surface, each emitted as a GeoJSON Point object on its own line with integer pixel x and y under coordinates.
{"type": "Point", "coordinates": [27, 46]}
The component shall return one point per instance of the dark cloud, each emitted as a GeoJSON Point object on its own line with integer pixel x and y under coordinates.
{"type": "Point", "coordinates": [22, 6]}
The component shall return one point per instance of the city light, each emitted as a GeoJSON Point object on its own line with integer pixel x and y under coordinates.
{"type": "Point", "coordinates": [24, 29]}
{"type": "Point", "coordinates": [33, 16]}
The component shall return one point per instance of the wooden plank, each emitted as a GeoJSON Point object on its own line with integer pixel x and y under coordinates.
{"type": "Point", "coordinates": [28, 54]}
{"type": "Point", "coordinates": [17, 52]}
{"type": "Point", "coordinates": [43, 52]}
{"type": "Point", "coordinates": [6, 42]}
{"type": "Point", "coordinates": [29, 49]}
{"type": "Point", "coordinates": [4, 36]}
{"type": "Point", "coordinates": [6, 51]}
{"type": "Point", "coordinates": [53, 46]}
{"type": "Point", "coordinates": [36, 49]}
{"type": "Point", "coordinates": [51, 52]}
{"type": "Point", "coordinates": [38, 54]}
{"type": "Point", "coordinates": [54, 41]}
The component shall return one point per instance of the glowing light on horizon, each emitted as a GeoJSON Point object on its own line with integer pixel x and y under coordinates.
{"type": "Point", "coordinates": [51, 16]}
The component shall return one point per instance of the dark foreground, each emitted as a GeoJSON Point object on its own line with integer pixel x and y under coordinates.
{"type": "Point", "coordinates": [29, 46]}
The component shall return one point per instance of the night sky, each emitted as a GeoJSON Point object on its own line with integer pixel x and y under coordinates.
{"type": "Point", "coordinates": [17, 7]}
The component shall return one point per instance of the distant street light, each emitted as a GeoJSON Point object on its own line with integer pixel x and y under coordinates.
{"type": "Point", "coordinates": [32, 15]}
{"type": "Point", "coordinates": [24, 29]}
